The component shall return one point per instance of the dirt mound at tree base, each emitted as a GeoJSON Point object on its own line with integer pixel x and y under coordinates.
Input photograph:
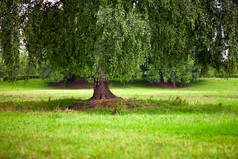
{"type": "Point", "coordinates": [109, 103]}
{"type": "Point", "coordinates": [72, 85]}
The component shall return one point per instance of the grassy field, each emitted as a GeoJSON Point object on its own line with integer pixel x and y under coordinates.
{"type": "Point", "coordinates": [203, 91]}
{"type": "Point", "coordinates": [200, 121]}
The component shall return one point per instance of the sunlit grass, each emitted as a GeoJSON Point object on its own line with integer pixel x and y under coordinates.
{"type": "Point", "coordinates": [136, 135]}
{"type": "Point", "coordinates": [203, 91]}
{"type": "Point", "coordinates": [200, 121]}
{"type": "Point", "coordinates": [21, 85]}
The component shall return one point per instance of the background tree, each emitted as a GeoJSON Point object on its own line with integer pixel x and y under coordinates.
{"type": "Point", "coordinates": [184, 73]}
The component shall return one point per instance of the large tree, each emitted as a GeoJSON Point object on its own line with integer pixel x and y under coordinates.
{"type": "Point", "coordinates": [113, 37]}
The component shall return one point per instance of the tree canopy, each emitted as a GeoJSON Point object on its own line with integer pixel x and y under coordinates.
{"type": "Point", "coordinates": [114, 37]}
{"type": "Point", "coordinates": [102, 36]}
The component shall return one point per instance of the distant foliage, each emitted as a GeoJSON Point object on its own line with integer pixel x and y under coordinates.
{"type": "Point", "coordinates": [62, 75]}
{"type": "Point", "coordinates": [23, 72]}
{"type": "Point", "coordinates": [221, 73]}
{"type": "Point", "coordinates": [182, 73]}
{"type": "Point", "coordinates": [52, 76]}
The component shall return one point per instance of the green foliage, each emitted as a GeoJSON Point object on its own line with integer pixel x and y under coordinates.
{"type": "Point", "coordinates": [221, 73]}
{"type": "Point", "coordinates": [10, 35]}
{"type": "Point", "coordinates": [171, 31]}
{"type": "Point", "coordinates": [64, 75]}
{"type": "Point", "coordinates": [124, 41]}
{"type": "Point", "coordinates": [103, 35]}
{"type": "Point", "coordinates": [115, 37]}
{"type": "Point", "coordinates": [56, 77]}
{"type": "Point", "coordinates": [25, 70]}
{"type": "Point", "coordinates": [45, 72]}
{"type": "Point", "coordinates": [2, 68]}
{"type": "Point", "coordinates": [182, 28]}
{"type": "Point", "coordinates": [50, 75]}
{"type": "Point", "coordinates": [183, 73]}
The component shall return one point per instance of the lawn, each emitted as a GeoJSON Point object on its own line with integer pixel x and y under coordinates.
{"type": "Point", "coordinates": [203, 91]}
{"type": "Point", "coordinates": [199, 121]}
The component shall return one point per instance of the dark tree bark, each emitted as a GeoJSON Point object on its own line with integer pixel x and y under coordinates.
{"type": "Point", "coordinates": [181, 84]}
{"type": "Point", "coordinates": [101, 89]}
{"type": "Point", "coordinates": [174, 84]}
{"type": "Point", "coordinates": [161, 77]}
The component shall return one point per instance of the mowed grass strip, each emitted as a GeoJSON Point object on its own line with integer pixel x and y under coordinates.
{"type": "Point", "coordinates": [136, 135]}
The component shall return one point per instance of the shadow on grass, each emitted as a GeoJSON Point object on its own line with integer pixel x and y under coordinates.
{"type": "Point", "coordinates": [133, 106]}
{"type": "Point", "coordinates": [155, 107]}
{"type": "Point", "coordinates": [50, 105]}
{"type": "Point", "coordinates": [134, 83]}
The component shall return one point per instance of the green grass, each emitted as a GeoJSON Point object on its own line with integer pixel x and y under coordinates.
{"type": "Point", "coordinates": [200, 121]}
{"type": "Point", "coordinates": [208, 91]}
{"type": "Point", "coordinates": [21, 85]}
{"type": "Point", "coordinates": [135, 135]}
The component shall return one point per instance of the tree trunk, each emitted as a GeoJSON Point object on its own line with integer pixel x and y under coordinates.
{"type": "Point", "coordinates": [181, 85]}
{"type": "Point", "coordinates": [101, 89]}
{"type": "Point", "coordinates": [161, 77]}
{"type": "Point", "coordinates": [174, 84]}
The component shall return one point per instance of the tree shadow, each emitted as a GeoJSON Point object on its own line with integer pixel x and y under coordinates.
{"type": "Point", "coordinates": [49, 105]}
{"type": "Point", "coordinates": [133, 83]}
{"type": "Point", "coordinates": [165, 110]}
{"type": "Point", "coordinates": [119, 107]}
